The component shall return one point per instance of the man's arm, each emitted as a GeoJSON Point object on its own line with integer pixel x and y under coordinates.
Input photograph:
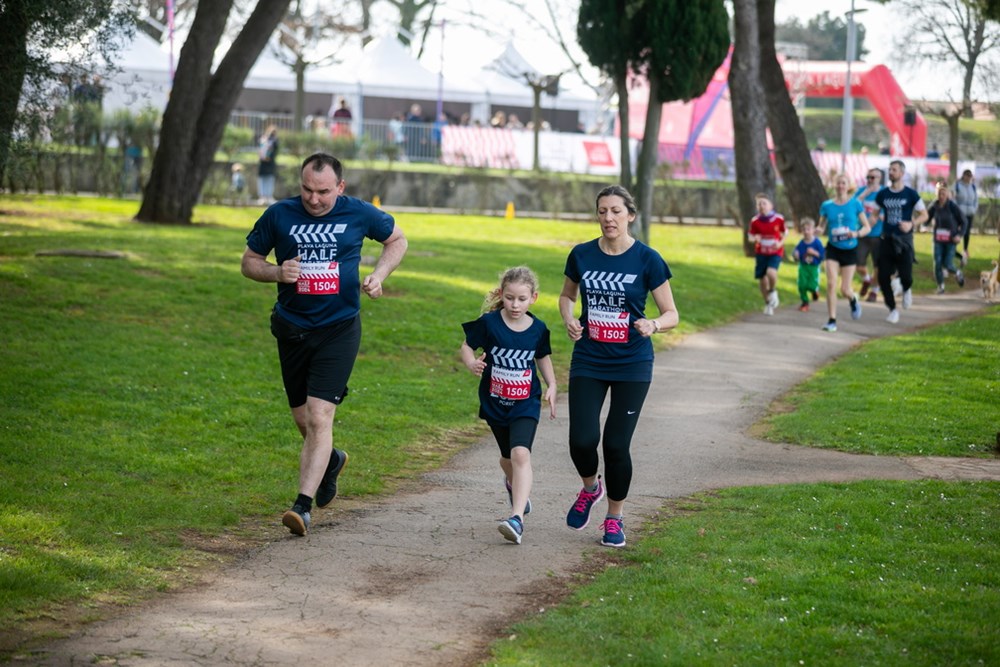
{"type": "Point", "coordinates": [393, 250]}
{"type": "Point", "coordinates": [256, 267]}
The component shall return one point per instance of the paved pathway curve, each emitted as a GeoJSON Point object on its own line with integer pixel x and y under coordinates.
{"type": "Point", "coordinates": [424, 578]}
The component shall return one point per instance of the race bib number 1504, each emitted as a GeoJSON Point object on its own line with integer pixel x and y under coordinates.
{"type": "Point", "coordinates": [319, 278]}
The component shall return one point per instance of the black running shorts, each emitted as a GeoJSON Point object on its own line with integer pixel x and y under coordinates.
{"type": "Point", "coordinates": [316, 362]}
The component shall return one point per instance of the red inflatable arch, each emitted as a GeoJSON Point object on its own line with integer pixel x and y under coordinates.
{"type": "Point", "coordinates": [707, 121]}
{"type": "Point", "coordinates": [819, 78]}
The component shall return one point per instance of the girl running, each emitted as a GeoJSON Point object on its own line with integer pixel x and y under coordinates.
{"type": "Point", "coordinates": [516, 349]}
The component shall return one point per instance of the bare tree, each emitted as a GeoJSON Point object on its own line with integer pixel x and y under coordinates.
{"type": "Point", "coordinates": [950, 32]}
{"type": "Point", "coordinates": [309, 39]}
{"type": "Point", "coordinates": [754, 172]}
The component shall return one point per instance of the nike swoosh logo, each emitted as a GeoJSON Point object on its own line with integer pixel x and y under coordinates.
{"type": "Point", "coordinates": [630, 412]}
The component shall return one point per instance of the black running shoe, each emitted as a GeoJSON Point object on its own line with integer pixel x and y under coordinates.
{"type": "Point", "coordinates": [296, 520]}
{"type": "Point", "coordinates": [327, 490]}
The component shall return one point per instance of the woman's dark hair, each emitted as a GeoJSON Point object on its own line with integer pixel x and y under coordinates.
{"type": "Point", "coordinates": [320, 161]}
{"type": "Point", "coordinates": [619, 191]}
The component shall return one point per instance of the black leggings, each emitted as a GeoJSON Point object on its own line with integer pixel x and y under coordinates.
{"type": "Point", "coordinates": [586, 398]}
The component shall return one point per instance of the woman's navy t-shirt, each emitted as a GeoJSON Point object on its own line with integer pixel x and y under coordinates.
{"type": "Point", "coordinates": [509, 388]}
{"type": "Point", "coordinates": [613, 291]}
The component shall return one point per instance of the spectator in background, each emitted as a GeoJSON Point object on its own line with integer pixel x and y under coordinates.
{"type": "Point", "coordinates": [342, 120]}
{"type": "Point", "coordinates": [499, 119]}
{"type": "Point", "coordinates": [267, 167]}
{"type": "Point", "coordinates": [514, 123]}
{"type": "Point", "coordinates": [933, 153]}
{"type": "Point", "coordinates": [437, 132]}
{"type": "Point", "coordinates": [416, 137]}
{"type": "Point", "coordinates": [397, 136]}
{"type": "Point", "coordinates": [968, 202]}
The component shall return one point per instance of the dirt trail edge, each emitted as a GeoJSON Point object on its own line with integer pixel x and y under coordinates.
{"type": "Point", "coordinates": [424, 578]}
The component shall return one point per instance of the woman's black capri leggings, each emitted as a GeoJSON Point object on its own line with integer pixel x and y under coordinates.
{"type": "Point", "coordinates": [586, 398]}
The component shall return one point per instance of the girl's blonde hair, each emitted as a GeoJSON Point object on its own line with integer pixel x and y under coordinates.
{"type": "Point", "coordinates": [517, 274]}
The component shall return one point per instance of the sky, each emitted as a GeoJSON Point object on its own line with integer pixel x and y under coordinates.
{"type": "Point", "coordinates": [466, 49]}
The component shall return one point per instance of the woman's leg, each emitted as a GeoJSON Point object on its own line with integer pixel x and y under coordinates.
{"type": "Point", "coordinates": [627, 399]}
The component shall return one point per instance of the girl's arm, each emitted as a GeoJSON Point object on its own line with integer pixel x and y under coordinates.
{"type": "Point", "coordinates": [663, 296]}
{"type": "Point", "coordinates": [548, 375]}
{"type": "Point", "coordinates": [567, 300]}
{"type": "Point", "coordinates": [866, 228]}
{"type": "Point", "coordinates": [475, 364]}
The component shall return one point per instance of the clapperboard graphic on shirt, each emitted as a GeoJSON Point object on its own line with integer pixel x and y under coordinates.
{"type": "Point", "coordinates": [510, 377]}
{"type": "Point", "coordinates": [317, 246]}
{"type": "Point", "coordinates": [607, 314]}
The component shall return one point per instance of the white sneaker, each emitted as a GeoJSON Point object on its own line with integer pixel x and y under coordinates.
{"type": "Point", "coordinates": [907, 299]}
{"type": "Point", "coordinates": [772, 298]}
{"type": "Point", "coordinates": [893, 316]}
{"type": "Point", "coordinates": [940, 288]}
{"type": "Point", "coordinates": [897, 286]}
{"type": "Point", "coordinates": [769, 309]}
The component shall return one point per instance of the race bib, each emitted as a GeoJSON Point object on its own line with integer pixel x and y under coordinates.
{"type": "Point", "coordinates": [319, 278]}
{"type": "Point", "coordinates": [942, 235]}
{"type": "Point", "coordinates": [510, 383]}
{"type": "Point", "coordinates": [607, 327]}
{"type": "Point", "coordinates": [840, 233]}
{"type": "Point", "coordinates": [768, 243]}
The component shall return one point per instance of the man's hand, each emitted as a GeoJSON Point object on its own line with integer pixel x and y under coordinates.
{"type": "Point", "coordinates": [290, 270]}
{"type": "Point", "coordinates": [372, 286]}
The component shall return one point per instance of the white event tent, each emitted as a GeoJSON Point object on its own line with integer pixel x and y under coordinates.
{"type": "Point", "coordinates": [383, 79]}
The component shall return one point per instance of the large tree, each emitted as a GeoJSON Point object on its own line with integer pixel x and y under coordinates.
{"type": "Point", "coordinates": [199, 107]}
{"type": "Point", "coordinates": [676, 46]}
{"type": "Point", "coordinates": [803, 186]}
{"type": "Point", "coordinates": [754, 172]}
{"type": "Point", "coordinates": [31, 32]}
{"type": "Point", "coordinates": [604, 30]}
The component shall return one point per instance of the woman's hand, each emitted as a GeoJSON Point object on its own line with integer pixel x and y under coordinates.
{"type": "Point", "coordinates": [574, 329]}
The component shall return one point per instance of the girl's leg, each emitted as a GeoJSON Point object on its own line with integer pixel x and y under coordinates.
{"type": "Point", "coordinates": [832, 269]}
{"type": "Point", "coordinates": [522, 435]}
{"type": "Point", "coordinates": [520, 479]}
{"type": "Point", "coordinates": [846, 276]}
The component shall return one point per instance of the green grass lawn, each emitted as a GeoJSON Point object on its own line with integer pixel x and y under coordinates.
{"type": "Point", "coordinates": [143, 418]}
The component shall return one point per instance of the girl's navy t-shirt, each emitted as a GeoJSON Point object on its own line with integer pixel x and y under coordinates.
{"type": "Point", "coordinates": [509, 388]}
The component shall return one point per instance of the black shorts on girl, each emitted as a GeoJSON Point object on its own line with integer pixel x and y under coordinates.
{"type": "Point", "coordinates": [316, 362]}
{"type": "Point", "coordinates": [519, 433]}
{"type": "Point", "coordinates": [841, 256]}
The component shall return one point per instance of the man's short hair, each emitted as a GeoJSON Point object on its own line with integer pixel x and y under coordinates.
{"type": "Point", "coordinates": [320, 161]}
{"type": "Point", "coordinates": [902, 165]}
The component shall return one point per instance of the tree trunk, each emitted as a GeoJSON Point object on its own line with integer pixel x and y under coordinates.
{"type": "Point", "coordinates": [298, 120]}
{"type": "Point", "coordinates": [536, 122]}
{"type": "Point", "coordinates": [754, 172]}
{"type": "Point", "coordinates": [13, 65]}
{"type": "Point", "coordinates": [621, 83]}
{"type": "Point", "coordinates": [199, 107]}
{"type": "Point", "coordinates": [952, 120]}
{"type": "Point", "coordinates": [648, 158]}
{"type": "Point", "coordinates": [803, 186]}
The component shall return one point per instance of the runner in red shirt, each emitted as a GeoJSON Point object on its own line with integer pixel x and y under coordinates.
{"type": "Point", "coordinates": [767, 231]}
